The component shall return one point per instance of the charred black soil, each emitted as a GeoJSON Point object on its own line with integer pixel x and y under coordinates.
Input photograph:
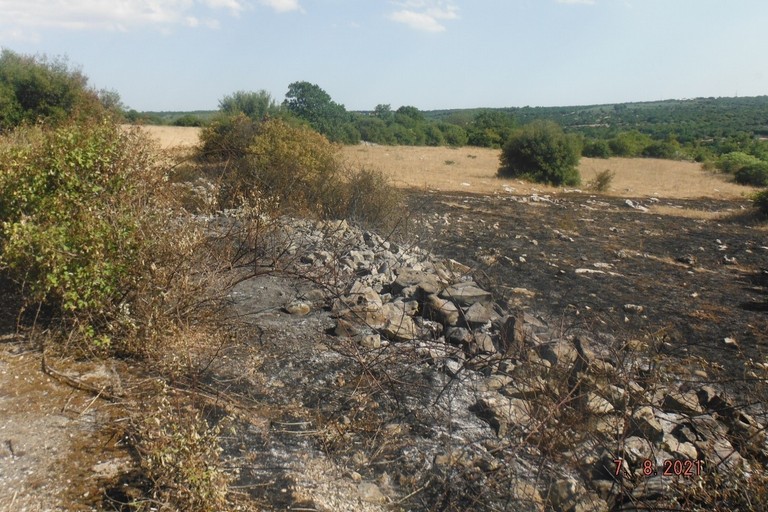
{"type": "Point", "coordinates": [595, 262]}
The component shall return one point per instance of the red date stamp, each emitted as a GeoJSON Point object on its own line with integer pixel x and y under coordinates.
{"type": "Point", "coordinates": [686, 468]}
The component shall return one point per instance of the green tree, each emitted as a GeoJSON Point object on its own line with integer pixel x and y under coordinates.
{"type": "Point", "coordinates": [629, 144]}
{"type": "Point", "coordinates": [490, 129]}
{"type": "Point", "coordinates": [38, 88]}
{"type": "Point", "coordinates": [312, 104]}
{"type": "Point", "coordinates": [373, 129]}
{"type": "Point", "coordinates": [596, 148]}
{"type": "Point", "coordinates": [256, 105]}
{"type": "Point", "coordinates": [455, 136]}
{"type": "Point", "coordinates": [542, 152]}
{"type": "Point", "coordinates": [383, 112]}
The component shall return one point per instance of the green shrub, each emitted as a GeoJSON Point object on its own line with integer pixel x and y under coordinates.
{"type": "Point", "coordinates": [227, 138]}
{"type": "Point", "coordinates": [255, 105]}
{"type": "Point", "coordinates": [36, 89]}
{"type": "Point", "coordinates": [542, 152]}
{"type": "Point", "coordinates": [180, 455]}
{"type": "Point", "coordinates": [667, 149]}
{"type": "Point", "coordinates": [629, 144]}
{"type": "Point", "coordinates": [754, 174]}
{"type": "Point", "coordinates": [71, 228]}
{"type": "Point", "coordinates": [735, 161]}
{"type": "Point", "coordinates": [371, 200]}
{"type": "Point", "coordinates": [596, 149]}
{"type": "Point", "coordinates": [188, 120]}
{"type": "Point", "coordinates": [89, 228]}
{"type": "Point", "coordinates": [65, 228]}
{"type": "Point", "coordinates": [761, 201]}
{"type": "Point", "coordinates": [304, 173]}
{"type": "Point", "coordinates": [455, 136]}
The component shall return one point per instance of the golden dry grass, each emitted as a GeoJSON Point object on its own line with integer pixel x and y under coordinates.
{"type": "Point", "coordinates": [473, 170]}
{"type": "Point", "coordinates": [172, 137]}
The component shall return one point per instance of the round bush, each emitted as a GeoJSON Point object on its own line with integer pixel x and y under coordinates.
{"type": "Point", "coordinates": [542, 152]}
{"type": "Point", "coordinates": [755, 175]}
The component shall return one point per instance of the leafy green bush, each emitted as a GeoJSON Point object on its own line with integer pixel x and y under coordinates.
{"type": "Point", "coordinates": [735, 161]}
{"type": "Point", "coordinates": [542, 152]}
{"type": "Point", "coordinates": [255, 105]}
{"type": "Point", "coordinates": [89, 228]}
{"type": "Point", "coordinates": [227, 138]}
{"type": "Point", "coordinates": [67, 228]}
{"type": "Point", "coordinates": [666, 149]}
{"type": "Point", "coordinates": [188, 120]}
{"type": "Point", "coordinates": [303, 172]}
{"type": "Point", "coordinates": [596, 149]}
{"type": "Point", "coordinates": [754, 174]}
{"type": "Point", "coordinates": [455, 136]}
{"type": "Point", "coordinates": [629, 144]}
{"type": "Point", "coordinates": [37, 88]}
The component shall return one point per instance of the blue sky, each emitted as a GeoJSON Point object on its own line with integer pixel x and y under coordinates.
{"type": "Point", "coordinates": [432, 54]}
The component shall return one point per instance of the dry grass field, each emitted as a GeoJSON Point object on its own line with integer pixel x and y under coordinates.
{"type": "Point", "coordinates": [473, 170]}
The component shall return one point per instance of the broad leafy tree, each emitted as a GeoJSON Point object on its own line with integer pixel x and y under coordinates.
{"type": "Point", "coordinates": [311, 103]}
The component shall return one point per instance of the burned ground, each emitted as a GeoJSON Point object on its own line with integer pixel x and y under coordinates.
{"type": "Point", "coordinates": [598, 264]}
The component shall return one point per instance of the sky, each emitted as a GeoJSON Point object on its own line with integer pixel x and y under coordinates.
{"type": "Point", "coordinates": [183, 55]}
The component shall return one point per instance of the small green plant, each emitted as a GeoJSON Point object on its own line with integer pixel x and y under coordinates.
{"type": "Point", "coordinates": [602, 181]}
{"type": "Point", "coordinates": [180, 456]}
{"type": "Point", "coordinates": [450, 162]}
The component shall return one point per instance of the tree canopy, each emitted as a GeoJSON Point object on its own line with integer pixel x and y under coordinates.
{"type": "Point", "coordinates": [38, 88]}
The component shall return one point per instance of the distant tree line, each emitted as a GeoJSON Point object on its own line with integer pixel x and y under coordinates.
{"type": "Point", "coordinates": [706, 130]}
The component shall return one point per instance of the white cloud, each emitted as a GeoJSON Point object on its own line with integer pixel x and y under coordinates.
{"type": "Point", "coordinates": [577, 2]}
{"type": "Point", "coordinates": [417, 20]}
{"type": "Point", "coordinates": [424, 15]}
{"type": "Point", "coordinates": [283, 5]}
{"type": "Point", "coordinates": [24, 18]}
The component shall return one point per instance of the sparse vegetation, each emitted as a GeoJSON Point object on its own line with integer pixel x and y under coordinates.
{"type": "Point", "coordinates": [602, 182]}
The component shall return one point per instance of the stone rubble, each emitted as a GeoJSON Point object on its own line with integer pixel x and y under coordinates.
{"type": "Point", "coordinates": [520, 376]}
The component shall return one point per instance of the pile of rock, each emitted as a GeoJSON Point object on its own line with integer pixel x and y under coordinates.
{"type": "Point", "coordinates": [632, 434]}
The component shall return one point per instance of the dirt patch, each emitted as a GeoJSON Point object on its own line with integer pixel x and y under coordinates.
{"type": "Point", "coordinates": [59, 448]}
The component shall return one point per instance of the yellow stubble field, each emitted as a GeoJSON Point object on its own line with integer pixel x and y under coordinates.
{"type": "Point", "coordinates": [473, 170]}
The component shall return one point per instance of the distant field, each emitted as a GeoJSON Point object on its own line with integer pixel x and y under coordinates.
{"type": "Point", "coordinates": [173, 136]}
{"type": "Point", "coordinates": [472, 169]}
